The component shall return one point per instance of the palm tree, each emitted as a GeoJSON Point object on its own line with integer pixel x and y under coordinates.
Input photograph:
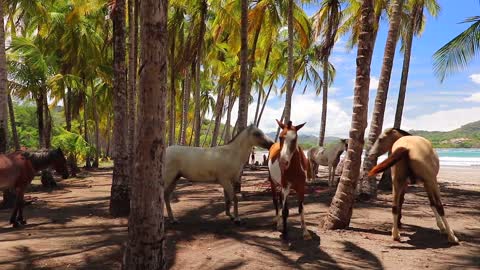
{"type": "Point", "coordinates": [13, 124]}
{"type": "Point", "coordinates": [244, 94]}
{"type": "Point", "coordinates": [119, 199]}
{"type": "Point", "coordinates": [146, 237]}
{"type": "Point", "coordinates": [3, 88]}
{"type": "Point", "coordinates": [290, 71]}
{"type": "Point", "coordinates": [414, 27]}
{"type": "Point", "coordinates": [326, 21]}
{"type": "Point", "coordinates": [132, 80]}
{"type": "Point", "coordinates": [458, 52]}
{"type": "Point", "coordinates": [201, 36]}
{"type": "Point", "coordinates": [340, 211]}
{"type": "Point", "coordinates": [368, 188]}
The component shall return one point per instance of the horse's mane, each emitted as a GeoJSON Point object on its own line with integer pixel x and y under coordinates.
{"type": "Point", "coordinates": [42, 158]}
{"type": "Point", "coordinates": [401, 131]}
{"type": "Point", "coordinates": [238, 133]}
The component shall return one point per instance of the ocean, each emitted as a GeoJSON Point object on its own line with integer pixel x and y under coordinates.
{"type": "Point", "coordinates": [456, 157]}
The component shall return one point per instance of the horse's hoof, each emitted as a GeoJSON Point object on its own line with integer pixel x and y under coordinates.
{"type": "Point", "coordinates": [285, 245]}
{"type": "Point", "coordinates": [173, 221]}
{"type": "Point", "coordinates": [443, 231]}
{"type": "Point", "coordinates": [307, 236]}
{"type": "Point", "coordinates": [239, 222]}
{"type": "Point", "coordinates": [453, 239]}
{"type": "Point", "coordinates": [22, 221]}
{"type": "Point", "coordinates": [16, 224]}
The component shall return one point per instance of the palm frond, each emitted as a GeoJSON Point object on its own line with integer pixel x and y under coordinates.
{"type": "Point", "coordinates": [457, 53]}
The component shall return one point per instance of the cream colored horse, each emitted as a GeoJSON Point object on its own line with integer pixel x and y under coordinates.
{"type": "Point", "coordinates": [221, 164]}
{"type": "Point", "coordinates": [411, 157]}
{"type": "Point", "coordinates": [326, 156]}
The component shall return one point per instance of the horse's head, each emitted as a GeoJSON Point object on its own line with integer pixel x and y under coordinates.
{"type": "Point", "coordinates": [258, 138]}
{"type": "Point", "coordinates": [59, 163]}
{"type": "Point", "coordinates": [288, 142]}
{"type": "Point", "coordinates": [344, 143]}
{"type": "Point", "coordinates": [385, 141]}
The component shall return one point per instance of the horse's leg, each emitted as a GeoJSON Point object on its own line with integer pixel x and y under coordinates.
{"type": "Point", "coordinates": [21, 205]}
{"type": "Point", "coordinates": [285, 192]}
{"type": "Point", "coordinates": [398, 181]}
{"type": "Point", "coordinates": [330, 176]}
{"type": "Point", "coordinates": [169, 187]}
{"type": "Point", "coordinates": [228, 203]}
{"type": "Point", "coordinates": [433, 190]}
{"type": "Point", "coordinates": [440, 224]}
{"type": "Point", "coordinates": [16, 207]}
{"type": "Point", "coordinates": [334, 168]}
{"type": "Point", "coordinates": [279, 217]}
{"type": "Point", "coordinates": [229, 192]}
{"type": "Point", "coordinates": [301, 211]}
{"type": "Point", "coordinates": [402, 199]}
{"type": "Point", "coordinates": [275, 200]}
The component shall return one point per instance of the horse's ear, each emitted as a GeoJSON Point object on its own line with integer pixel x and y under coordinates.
{"type": "Point", "coordinates": [300, 126]}
{"type": "Point", "coordinates": [280, 124]}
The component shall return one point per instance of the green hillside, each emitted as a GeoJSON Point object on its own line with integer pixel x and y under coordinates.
{"type": "Point", "coordinates": [467, 136]}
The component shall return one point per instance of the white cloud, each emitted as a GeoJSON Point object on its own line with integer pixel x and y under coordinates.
{"type": "Point", "coordinates": [443, 120]}
{"type": "Point", "coordinates": [305, 108]}
{"type": "Point", "coordinates": [333, 90]}
{"type": "Point", "coordinates": [475, 78]}
{"type": "Point", "coordinates": [475, 97]}
{"type": "Point", "coordinates": [373, 83]}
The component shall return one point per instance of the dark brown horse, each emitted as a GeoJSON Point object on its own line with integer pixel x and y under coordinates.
{"type": "Point", "coordinates": [18, 169]}
{"type": "Point", "coordinates": [288, 168]}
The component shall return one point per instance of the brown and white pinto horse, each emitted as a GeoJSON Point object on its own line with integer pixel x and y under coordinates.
{"type": "Point", "coordinates": [18, 169]}
{"type": "Point", "coordinates": [410, 157]}
{"type": "Point", "coordinates": [288, 168]}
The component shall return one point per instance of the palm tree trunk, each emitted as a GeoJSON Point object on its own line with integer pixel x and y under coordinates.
{"type": "Point", "coordinates": [146, 236]}
{"type": "Point", "coordinates": [244, 94]}
{"type": "Point", "coordinates": [368, 185]}
{"type": "Point", "coordinates": [198, 122]}
{"type": "Point", "coordinates": [218, 116]}
{"type": "Point", "coordinates": [119, 199]}
{"type": "Point", "coordinates": [282, 118]}
{"type": "Point", "coordinates": [185, 106]}
{"type": "Point", "coordinates": [48, 122]}
{"type": "Point", "coordinates": [405, 68]}
{"type": "Point", "coordinates": [41, 131]}
{"type": "Point", "coordinates": [290, 71]}
{"type": "Point", "coordinates": [97, 129]}
{"type": "Point", "coordinates": [340, 211]}
{"type": "Point", "coordinates": [324, 102]}
{"type": "Point", "coordinates": [264, 103]}
{"type": "Point", "coordinates": [172, 97]}
{"type": "Point", "coordinates": [231, 101]}
{"type": "Point", "coordinates": [68, 109]}
{"type": "Point", "coordinates": [208, 131]}
{"type": "Point", "coordinates": [3, 88]}
{"type": "Point", "coordinates": [13, 124]}
{"type": "Point", "coordinates": [267, 60]}
{"type": "Point", "coordinates": [85, 133]}
{"type": "Point", "coordinates": [132, 85]}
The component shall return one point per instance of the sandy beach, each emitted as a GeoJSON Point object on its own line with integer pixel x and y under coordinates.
{"type": "Point", "coordinates": [70, 228]}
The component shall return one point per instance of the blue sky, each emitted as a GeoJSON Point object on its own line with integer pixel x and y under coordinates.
{"type": "Point", "coordinates": [429, 105]}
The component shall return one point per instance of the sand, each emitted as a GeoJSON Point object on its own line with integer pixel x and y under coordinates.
{"type": "Point", "coordinates": [70, 228]}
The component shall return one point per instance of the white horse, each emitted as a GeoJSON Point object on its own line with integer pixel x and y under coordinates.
{"type": "Point", "coordinates": [326, 156]}
{"type": "Point", "coordinates": [221, 164]}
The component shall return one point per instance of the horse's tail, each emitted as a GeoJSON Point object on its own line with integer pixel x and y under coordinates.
{"type": "Point", "coordinates": [396, 156]}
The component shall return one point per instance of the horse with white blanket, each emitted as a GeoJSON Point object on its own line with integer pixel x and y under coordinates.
{"type": "Point", "coordinates": [221, 164]}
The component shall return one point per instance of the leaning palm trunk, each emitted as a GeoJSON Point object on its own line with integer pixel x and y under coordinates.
{"type": "Point", "coordinates": [368, 185]}
{"type": "Point", "coordinates": [265, 99]}
{"type": "Point", "coordinates": [41, 132]}
{"type": "Point", "coordinates": [146, 236]}
{"type": "Point", "coordinates": [324, 102]}
{"type": "Point", "coordinates": [13, 124]}
{"type": "Point", "coordinates": [340, 211]}
{"type": "Point", "coordinates": [119, 199]}
{"type": "Point", "coordinates": [417, 9]}
{"type": "Point", "coordinates": [96, 119]}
